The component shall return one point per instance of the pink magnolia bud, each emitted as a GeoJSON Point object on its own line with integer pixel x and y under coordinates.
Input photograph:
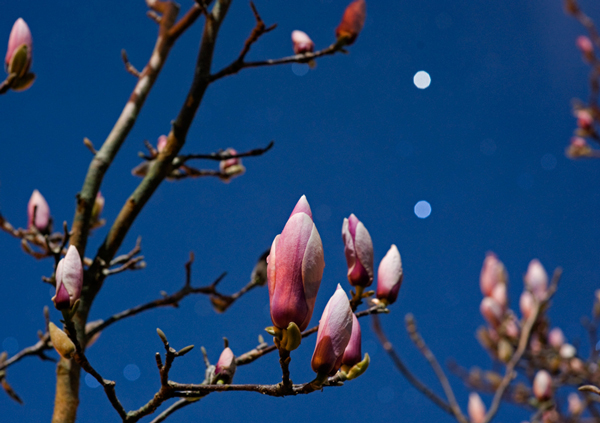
{"type": "Point", "coordinates": [20, 36]}
{"type": "Point", "coordinates": [511, 327]}
{"type": "Point", "coordinates": [578, 148]}
{"type": "Point", "coordinates": [335, 329]}
{"type": "Point", "coordinates": [476, 408]}
{"type": "Point", "coordinates": [567, 351]}
{"type": "Point", "coordinates": [492, 273]}
{"type": "Point", "coordinates": [295, 269]}
{"type": "Point", "coordinates": [231, 168]}
{"type": "Point", "coordinates": [38, 212]}
{"type": "Point", "coordinates": [225, 368]}
{"type": "Point", "coordinates": [353, 354]}
{"type": "Point", "coordinates": [358, 249]}
{"type": "Point", "coordinates": [556, 338]}
{"type": "Point", "coordinates": [491, 311]}
{"type": "Point", "coordinates": [302, 42]}
{"type": "Point", "coordinates": [162, 143]}
{"type": "Point", "coordinates": [542, 385]}
{"type": "Point", "coordinates": [575, 404]}
{"type": "Point", "coordinates": [536, 279]}
{"type": "Point", "coordinates": [352, 21]}
{"type": "Point", "coordinates": [389, 276]}
{"type": "Point", "coordinates": [587, 48]}
{"type": "Point", "coordinates": [584, 119]}
{"type": "Point", "coordinates": [69, 280]}
{"type": "Point", "coordinates": [499, 294]}
{"type": "Point", "coordinates": [526, 304]}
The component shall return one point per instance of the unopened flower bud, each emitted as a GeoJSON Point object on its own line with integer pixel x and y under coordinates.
{"type": "Point", "coordinates": [578, 147]}
{"type": "Point", "coordinates": [499, 294]}
{"type": "Point", "coordinates": [492, 274]}
{"type": "Point", "coordinates": [335, 329]}
{"type": "Point", "coordinates": [230, 168]}
{"type": "Point", "coordinates": [225, 368]}
{"type": "Point", "coordinates": [295, 269]}
{"type": "Point", "coordinates": [38, 213]}
{"type": "Point", "coordinates": [542, 385]}
{"type": "Point", "coordinates": [302, 42]}
{"type": "Point", "coordinates": [476, 408]}
{"type": "Point", "coordinates": [511, 327]}
{"type": "Point", "coordinates": [526, 304]}
{"type": "Point", "coordinates": [60, 341]}
{"type": "Point", "coordinates": [575, 404]}
{"type": "Point", "coordinates": [389, 276]}
{"type": "Point", "coordinates": [18, 56]}
{"type": "Point", "coordinates": [162, 143]}
{"type": "Point", "coordinates": [69, 280]}
{"type": "Point", "coordinates": [352, 22]}
{"type": "Point", "coordinates": [358, 248]}
{"type": "Point", "coordinates": [352, 354]}
{"type": "Point", "coordinates": [567, 351]}
{"type": "Point", "coordinates": [585, 119]}
{"type": "Point", "coordinates": [505, 350]}
{"type": "Point", "coordinates": [587, 48]}
{"type": "Point", "coordinates": [556, 338]}
{"type": "Point", "coordinates": [536, 279]}
{"type": "Point", "coordinates": [491, 311]}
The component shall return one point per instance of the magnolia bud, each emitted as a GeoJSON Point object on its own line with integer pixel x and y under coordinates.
{"type": "Point", "coordinates": [567, 351]}
{"type": "Point", "coordinates": [389, 276]}
{"type": "Point", "coordinates": [230, 168]}
{"type": "Point", "coordinates": [352, 22]}
{"type": "Point", "coordinates": [18, 56]}
{"type": "Point", "coordinates": [302, 42]}
{"type": "Point", "coordinates": [587, 48]}
{"type": "Point", "coordinates": [358, 248]}
{"type": "Point", "coordinates": [352, 354]}
{"type": "Point", "coordinates": [499, 294]}
{"type": "Point", "coordinates": [585, 119]}
{"type": "Point", "coordinates": [476, 408]}
{"type": "Point", "coordinates": [225, 368]}
{"type": "Point", "coordinates": [491, 311]}
{"type": "Point", "coordinates": [38, 213]}
{"type": "Point", "coordinates": [576, 406]}
{"type": "Point", "coordinates": [536, 279]}
{"type": "Point", "coordinates": [556, 338]}
{"type": "Point", "coordinates": [60, 341]}
{"type": "Point", "coordinates": [492, 274]}
{"type": "Point", "coordinates": [295, 269]}
{"type": "Point", "coordinates": [69, 280]}
{"type": "Point", "coordinates": [162, 143]}
{"type": "Point", "coordinates": [526, 304]}
{"type": "Point", "coordinates": [578, 148]}
{"type": "Point", "coordinates": [335, 329]}
{"type": "Point", "coordinates": [542, 385]}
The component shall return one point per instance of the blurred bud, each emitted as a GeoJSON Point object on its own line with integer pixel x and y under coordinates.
{"type": "Point", "coordinates": [476, 408]}
{"type": "Point", "coordinates": [491, 311]}
{"type": "Point", "coordinates": [511, 327]}
{"type": "Point", "coordinates": [352, 22]}
{"type": "Point", "coordinates": [335, 329]}
{"type": "Point", "coordinates": [60, 341]}
{"type": "Point", "coordinates": [492, 274]}
{"type": "Point", "coordinates": [550, 416]}
{"type": "Point", "coordinates": [536, 279]}
{"type": "Point", "coordinates": [577, 366]}
{"type": "Point", "coordinates": [230, 168]}
{"type": "Point", "coordinates": [302, 42]}
{"type": "Point", "coordinates": [584, 119]}
{"type": "Point", "coordinates": [587, 48]}
{"type": "Point", "coordinates": [295, 269]}
{"type": "Point", "coordinates": [542, 385]}
{"type": "Point", "coordinates": [521, 393]}
{"type": "Point", "coordinates": [556, 338]}
{"type": "Point", "coordinates": [38, 213]}
{"type": "Point", "coordinates": [567, 351]}
{"type": "Point", "coordinates": [69, 280]}
{"type": "Point", "coordinates": [535, 344]}
{"type": "Point", "coordinates": [389, 276]}
{"type": "Point", "coordinates": [578, 148]}
{"type": "Point", "coordinates": [493, 378]}
{"type": "Point", "coordinates": [484, 338]}
{"type": "Point", "coordinates": [499, 294]}
{"type": "Point", "coordinates": [576, 406]}
{"type": "Point", "coordinates": [505, 350]}
{"type": "Point", "coordinates": [526, 304]}
{"type": "Point", "coordinates": [358, 249]}
{"type": "Point", "coordinates": [18, 54]}
{"type": "Point", "coordinates": [162, 143]}
{"type": "Point", "coordinates": [225, 368]}
{"type": "Point", "coordinates": [98, 207]}
{"type": "Point", "coordinates": [353, 354]}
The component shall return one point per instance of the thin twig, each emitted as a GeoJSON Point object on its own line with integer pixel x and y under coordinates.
{"type": "Point", "coordinates": [128, 66]}
{"type": "Point", "coordinates": [172, 408]}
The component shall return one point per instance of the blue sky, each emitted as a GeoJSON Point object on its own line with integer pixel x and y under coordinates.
{"type": "Point", "coordinates": [483, 145]}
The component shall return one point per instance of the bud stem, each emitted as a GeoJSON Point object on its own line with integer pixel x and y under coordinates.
{"type": "Point", "coordinates": [357, 298]}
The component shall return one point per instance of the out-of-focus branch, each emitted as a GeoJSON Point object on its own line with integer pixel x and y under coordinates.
{"type": "Point", "coordinates": [415, 336]}
{"type": "Point", "coordinates": [420, 386]}
{"type": "Point", "coordinates": [263, 349]}
{"type": "Point", "coordinates": [178, 405]}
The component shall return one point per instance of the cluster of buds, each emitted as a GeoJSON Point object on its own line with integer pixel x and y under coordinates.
{"type": "Point", "coordinates": [18, 57]}
{"type": "Point", "coordinates": [38, 214]}
{"type": "Point", "coordinates": [358, 248]}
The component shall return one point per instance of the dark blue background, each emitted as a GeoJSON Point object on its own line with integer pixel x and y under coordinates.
{"type": "Point", "coordinates": [354, 135]}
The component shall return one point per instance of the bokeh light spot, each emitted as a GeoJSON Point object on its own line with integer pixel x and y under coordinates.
{"type": "Point", "coordinates": [91, 382]}
{"type": "Point", "coordinates": [131, 372]}
{"type": "Point", "coordinates": [422, 209]}
{"type": "Point", "coordinates": [548, 161]}
{"type": "Point", "coordinates": [422, 80]}
{"type": "Point", "coordinates": [299, 69]}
